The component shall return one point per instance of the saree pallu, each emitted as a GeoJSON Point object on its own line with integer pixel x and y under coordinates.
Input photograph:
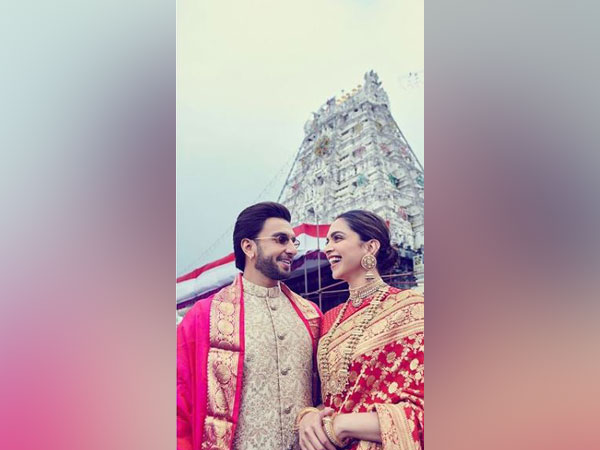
{"type": "Point", "coordinates": [386, 374]}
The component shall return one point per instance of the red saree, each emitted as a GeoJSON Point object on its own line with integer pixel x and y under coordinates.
{"type": "Point", "coordinates": [386, 373]}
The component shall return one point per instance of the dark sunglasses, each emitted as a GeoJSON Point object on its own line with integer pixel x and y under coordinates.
{"type": "Point", "coordinates": [281, 239]}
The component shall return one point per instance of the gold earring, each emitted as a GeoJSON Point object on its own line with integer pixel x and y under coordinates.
{"type": "Point", "coordinates": [368, 262]}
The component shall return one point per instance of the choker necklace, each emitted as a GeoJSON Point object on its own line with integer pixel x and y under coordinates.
{"type": "Point", "coordinates": [358, 295]}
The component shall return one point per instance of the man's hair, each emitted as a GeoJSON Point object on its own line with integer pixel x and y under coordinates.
{"type": "Point", "coordinates": [250, 222]}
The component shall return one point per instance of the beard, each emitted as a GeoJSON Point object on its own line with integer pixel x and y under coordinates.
{"type": "Point", "coordinates": [269, 268]}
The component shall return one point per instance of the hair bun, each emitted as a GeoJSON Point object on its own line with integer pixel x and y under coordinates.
{"type": "Point", "coordinates": [388, 258]}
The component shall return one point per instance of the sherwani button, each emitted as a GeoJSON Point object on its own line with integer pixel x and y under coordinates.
{"type": "Point", "coordinates": [285, 371]}
{"type": "Point", "coordinates": [287, 410]}
{"type": "Point", "coordinates": [281, 336]}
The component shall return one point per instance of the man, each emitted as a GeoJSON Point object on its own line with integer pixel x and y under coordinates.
{"type": "Point", "coordinates": [245, 355]}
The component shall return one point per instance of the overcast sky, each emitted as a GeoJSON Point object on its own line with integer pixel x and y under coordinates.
{"type": "Point", "coordinates": [249, 74]}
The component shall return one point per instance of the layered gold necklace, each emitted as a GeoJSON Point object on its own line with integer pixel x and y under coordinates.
{"type": "Point", "coordinates": [334, 383]}
{"type": "Point", "coordinates": [358, 295]}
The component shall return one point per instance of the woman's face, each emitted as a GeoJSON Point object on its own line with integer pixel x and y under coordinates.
{"type": "Point", "coordinates": [344, 250]}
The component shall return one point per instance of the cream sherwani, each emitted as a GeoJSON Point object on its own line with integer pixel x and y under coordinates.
{"type": "Point", "coordinates": [277, 372]}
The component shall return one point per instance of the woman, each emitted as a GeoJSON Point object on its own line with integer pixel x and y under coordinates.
{"type": "Point", "coordinates": [370, 354]}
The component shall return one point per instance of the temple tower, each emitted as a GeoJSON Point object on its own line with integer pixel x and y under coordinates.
{"type": "Point", "coordinates": [354, 156]}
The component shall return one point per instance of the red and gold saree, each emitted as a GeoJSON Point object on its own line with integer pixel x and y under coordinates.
{"type": "Point", "coordinates": [386, 371]}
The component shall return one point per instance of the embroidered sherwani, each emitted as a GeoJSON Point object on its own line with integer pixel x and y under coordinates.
{"type": "Point", "coordinates": [277, 371]}
{"type": "Point", "coordinates": [245, 368]}
{"type": "Point", "coordinates": [386, 372]}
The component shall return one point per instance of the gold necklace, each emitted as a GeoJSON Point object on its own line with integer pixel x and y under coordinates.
{"type": "Point", "coordinates": [358, 295]}
{"type": "Point", "coordinates": [335, 383]}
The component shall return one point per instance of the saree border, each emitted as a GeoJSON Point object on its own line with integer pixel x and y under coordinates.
{"type": "Point", "coordinates": [396, 431]}
{"type": "Point", "coordinates": [402, 315]}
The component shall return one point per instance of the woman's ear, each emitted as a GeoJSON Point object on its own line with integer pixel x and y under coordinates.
{"type": "Point", "coordinates": [373, 245]}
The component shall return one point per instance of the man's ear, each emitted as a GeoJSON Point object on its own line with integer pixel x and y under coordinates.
{"type": "Point", "coordinates": [248, 247]}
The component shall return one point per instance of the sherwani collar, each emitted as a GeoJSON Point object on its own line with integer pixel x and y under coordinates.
{"type": "Point", "coordinates": [261, 291]}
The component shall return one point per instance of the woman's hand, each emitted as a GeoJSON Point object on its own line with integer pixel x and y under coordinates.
{"type": "Point", "coordinates": [361, 426]}
{"type": "Point", "coordinates": [339, 426]}
{"type": "Point", "coordinates": [311, 434]}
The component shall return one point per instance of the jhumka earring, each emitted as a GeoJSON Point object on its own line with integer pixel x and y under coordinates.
{"type": "Point", "coordinates": [368, 262]}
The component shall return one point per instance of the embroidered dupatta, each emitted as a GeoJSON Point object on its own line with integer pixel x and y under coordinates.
{"type": "Point", "coordinates": [210, 355]}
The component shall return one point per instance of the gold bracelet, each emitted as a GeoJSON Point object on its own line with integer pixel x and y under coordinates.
{"type": "Point", "coordinates": [328, 427]}
{"type": "Point", "coordinates": [302, 413]}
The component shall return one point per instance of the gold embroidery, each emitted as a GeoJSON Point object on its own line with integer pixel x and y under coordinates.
{"type": "Point", "coordinates": [334, 371]}
{"type": "Point", "coordinates": [386, 425]}
{"type": "Point", "coordinates": [414, 363]}
{"type": "Point", "coordinates": [391, 356]}
{"type": "Point", "coordinates": [303, 305]}
{"type": "Point", "coordinates": [378, 327]}
{"type": "Point", "coordinates": [418, 311]}
{"type": "Point", "coordinates": [220, 402]}
{"type": "Point", "coordinates": [400, 322]}
{"type": "Point", "coordinates": [370, 380]}
{"type": "Point", "coordinates": [224, 319]}
{"type": "Point", "coordinates": [222, 364]}
{"type": "Point", "coordinates": [396, 428]}
{"type": "Point", "coordinates": [225, 327]}
{"type": "Point", "coordinates": [275, 340]}
{"type": "Point", "coordinates": [394, 309]}
{"type": "Point", "coordinates": [392, 335]}
{"type": "Point", "coordinates": [217, 434]}
{"type": "Point", "coordinates": [306, 309]}
{"type": "Point", "coordinates": [226, 308]}
{"type": "Point", "coordinates": [223, 373]}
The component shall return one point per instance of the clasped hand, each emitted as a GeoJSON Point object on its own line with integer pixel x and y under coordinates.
{"type": "Point", "coordinates": [311, 433]}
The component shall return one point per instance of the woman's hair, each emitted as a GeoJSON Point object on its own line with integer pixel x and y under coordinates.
{"type": "Point", "coordinates": [369, 226]}
{"type": "Point", "coordinates": [250, 223]}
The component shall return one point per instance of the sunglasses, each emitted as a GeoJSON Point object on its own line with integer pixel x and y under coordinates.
{"type": "Point", "coordinates": [281, 239]}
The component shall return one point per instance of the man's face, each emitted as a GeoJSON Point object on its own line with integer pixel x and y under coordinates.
{"type": "Point", "coordinates": [273, 259]}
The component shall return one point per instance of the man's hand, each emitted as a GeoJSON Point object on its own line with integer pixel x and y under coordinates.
{"type": "Point", "coordinates": [311, 433]}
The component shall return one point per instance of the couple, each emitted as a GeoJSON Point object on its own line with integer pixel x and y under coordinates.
{"type": "Point", "coordinates": [247, 357]}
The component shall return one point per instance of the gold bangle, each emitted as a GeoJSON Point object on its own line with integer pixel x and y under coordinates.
{"type": "Point", "coordinates": [328, 427]}
{"type": "Point", "coordinates": [302, 413]}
